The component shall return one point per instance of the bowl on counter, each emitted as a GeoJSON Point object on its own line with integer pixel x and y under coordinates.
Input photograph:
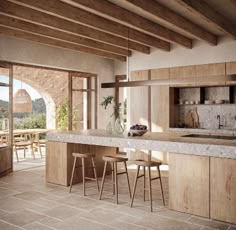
{"type": "Point", "coordinates": [137, 130]}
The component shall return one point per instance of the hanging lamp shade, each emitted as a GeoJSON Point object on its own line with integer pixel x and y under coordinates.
{"type": "Point", "coordinates": [22, 102]}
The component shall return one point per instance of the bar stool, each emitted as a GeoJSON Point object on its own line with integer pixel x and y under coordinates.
{"type": "Point", "coordinates": [114, 160]}
{"type": "Point", "coordinates": [148, 165]}
{"type": "Point", "coordinates": [82, 156]}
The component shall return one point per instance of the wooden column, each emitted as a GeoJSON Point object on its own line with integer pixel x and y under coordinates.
{"type": "Point", "coordinates": [70, 78]}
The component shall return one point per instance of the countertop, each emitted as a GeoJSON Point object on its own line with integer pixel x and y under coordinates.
{"type": "Point", "coordinates": [166, 142]}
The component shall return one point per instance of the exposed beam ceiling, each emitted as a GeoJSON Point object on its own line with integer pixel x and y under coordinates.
{"type": "Point", "coordinates": [54, 42]}
{"type": "Point", "coordinates": [163, 13]}
{"type": "Point", "coordinates": [63, 10]}
{"type": "Point", "coordinates": [204, 10]}
{"type": "Point", "coordinates": [37, 29]}
{"type": "Point", "coordinates": [54, 22]}
{"type": "Point", "coordinates": [114, 28]}
{"type": "Point", "coordinates": [120, 15]}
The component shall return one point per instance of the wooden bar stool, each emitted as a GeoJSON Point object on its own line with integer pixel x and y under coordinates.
{"type": "Point", "coordinates": [114, 160]}
{"type": "Point", "coordinates": [82, 156]}
{"type": "Point", "coordinates": [148, 165]}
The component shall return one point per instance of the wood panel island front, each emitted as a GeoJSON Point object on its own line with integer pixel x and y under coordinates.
{"type": "Point", "coordinates": [202, 171]}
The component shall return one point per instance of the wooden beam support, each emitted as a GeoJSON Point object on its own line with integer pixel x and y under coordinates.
{"type": "Point", "coordinates": [41, 30]}
{"type": "Point", "coordinates": [74, 14]}
{"type": "Point", "coordinates": [126, 17]}
{"type": "Point", "coordinates": [50, 21]}
{"type": "Point", "coordinates": [54, 42]}
{"type": "Point", "coordinates": [165, 14]}
{"type": "Point", "coordinates": [204, 10]}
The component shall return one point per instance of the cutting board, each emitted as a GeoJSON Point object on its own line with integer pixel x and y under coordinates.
{"type": "Point", "coordinates": [188, 120]}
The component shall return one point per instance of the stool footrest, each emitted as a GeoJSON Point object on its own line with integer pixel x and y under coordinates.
{"type": "Point", "coordinates": [140, 176]}
{"type": "Point", "coordinates": [90, 178]}
{"type": "Point", "coordinates": [120, 173]}
{"type": "Point", "coordinates": [155, 178]}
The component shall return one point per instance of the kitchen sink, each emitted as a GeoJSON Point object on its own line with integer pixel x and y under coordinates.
{"type": "Point", "coordinates": [211, 136]}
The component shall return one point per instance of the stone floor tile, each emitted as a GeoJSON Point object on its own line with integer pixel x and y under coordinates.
{"type": "Point", "coordinates": [125, 226]}
{"type": "Point", "coordinates": [232, 228]}
{"type": "Point", "coordinates": [163, 223]}
{"type": "Point", "coordinates": [101, 215]}
{"type": "Point", "coordinates": [63, 212]}
{"type": "Point", "coordinates": [208, 223]}
{"type": "Point", "coordinates": [21, 218]}
{"type": "Point", "coordinates": [37, 226]}
{"type": "Point", "coordinates": [30, 195]}
{"type": "Point", "coordinates": [77, 223]}
{"type": "Point", "coordinates": [50, 221]}
{"type": "Point", "coordinates": [7, 226]}
{"type": "Point", "coordinates": [83, 203]}
{"type": "Point", "coordinates": [173, 214]}
{"type": "Point", "coordinates": [11, 204]}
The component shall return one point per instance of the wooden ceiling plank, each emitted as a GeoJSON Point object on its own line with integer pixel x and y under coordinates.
{"type": "Point", "coordinates": [163, 13]}
{"type": "Point", "coordinates": [41, 18]}
{"type": "Point", "coordinates": [122, 15]}
{"type": "Point", "coordinates": [204, 10]}
{"type": "Point", "coordinates": [27, 26]}
{"type": "Point", "coordinates": [80, 16]}
{"type": "Point", "coordinates": [9, 31]}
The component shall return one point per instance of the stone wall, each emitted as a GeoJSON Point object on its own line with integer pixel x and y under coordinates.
{"type": "Point", "coordinates": [52, 85]}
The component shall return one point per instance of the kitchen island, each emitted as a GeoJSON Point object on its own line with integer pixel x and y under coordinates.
{"type": "Point", "coordinates": [202, 172]}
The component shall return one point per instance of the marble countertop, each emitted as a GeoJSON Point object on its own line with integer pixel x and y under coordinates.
{"type": "Point", "coordinates": [166, 142]}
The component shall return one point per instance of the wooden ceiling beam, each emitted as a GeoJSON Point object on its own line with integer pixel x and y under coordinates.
{"type": "Point", "coordinates": [51, 21]}
{"type": "Point", "coordinates": [118, 14]}
{"type": "Point", "coordinates": [204, 10]}
{"type": "Point", "coordinates": [165, 14]}
{"type": "Point", "coordinates": [37, 29]}
{"type": "Point", "coordinates": [63, 10]}
{"type": "Point", "coordinates": [9, 31]}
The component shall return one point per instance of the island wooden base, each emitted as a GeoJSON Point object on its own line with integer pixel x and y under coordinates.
{"type": "Point", "coordinates": [59, 161]}
{"type": "Point", "coordinates": [5, 161]}
{"type": "Point", "coordinates": [203, 186]}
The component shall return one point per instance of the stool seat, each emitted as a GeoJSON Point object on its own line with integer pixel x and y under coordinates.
{"type": "Point", "coordinates": [146, 163]}
{"type": "Point", "coordinates": [83, 155]}
{"type": "Point", "coordinates": [114, 159]}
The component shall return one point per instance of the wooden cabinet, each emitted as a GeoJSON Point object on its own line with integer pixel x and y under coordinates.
{"type": "Point", "coordinates": [5, 161]}
{"type": "Point", "coordinates": [231, 68]}
{"type": "Point", "coordinates": [182, 72]}
{"type": "Point", "coordinates": [223, 189]}
{"type": "Point", "coordinates": [189, 184]}
{"type": "Point", "coordinates": [214, 69]}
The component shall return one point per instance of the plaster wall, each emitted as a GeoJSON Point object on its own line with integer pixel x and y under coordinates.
{"type": "Point", "coordinates": [27, 52]}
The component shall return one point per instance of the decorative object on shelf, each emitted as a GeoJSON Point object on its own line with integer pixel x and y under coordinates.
{"type": "Point", "coordinates": [137, 130]}
{"type": "Point", "coordinates": [195, 118]}
{"type": "Point", "coordinates": [208, 102]}
{"type": "Point", "coordinates": [219, 101]}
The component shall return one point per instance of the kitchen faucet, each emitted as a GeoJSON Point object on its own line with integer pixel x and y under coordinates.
{"type": "Point", "coordinates": [219, 125]}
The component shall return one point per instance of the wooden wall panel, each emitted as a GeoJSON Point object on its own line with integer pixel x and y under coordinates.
{"type": "Point", "coordinates": [223, 189]}
{"type": "Point", "coordinates": [189, 184]}
{"type": "Point", "coordinates": [215, 69]}
{"type": "Point", "coordinates": [231, 68]}
{"type": "Point", "coordinates": [182, 72]}
{"type": "Point", "coordinates": [163, 73]}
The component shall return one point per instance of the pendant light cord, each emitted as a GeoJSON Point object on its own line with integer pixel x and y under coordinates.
{"type": "Point", "coordinates": [127, 60]}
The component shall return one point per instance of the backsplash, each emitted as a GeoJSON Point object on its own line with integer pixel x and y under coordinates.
{"type": "Point", "coordinates": [208, 115]}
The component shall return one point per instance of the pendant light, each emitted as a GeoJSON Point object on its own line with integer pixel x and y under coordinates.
{"type": "Point", "coordinates": [22, 102]}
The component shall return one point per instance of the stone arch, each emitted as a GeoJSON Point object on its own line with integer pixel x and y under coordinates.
{"type": "Point", "coordinates": [52, 85]}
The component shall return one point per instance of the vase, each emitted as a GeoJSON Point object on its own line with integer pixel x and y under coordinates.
{"type": "Point", "coordinates": [119, 125]}
{"type": "Point", "coordinates": [109, 128]}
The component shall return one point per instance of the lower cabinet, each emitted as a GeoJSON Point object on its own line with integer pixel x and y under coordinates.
{"type": "Point", "coordinates": [203, 186]}
{"type": "Point", "coordinates": [189, 184]}
{"type": "Point", "coordinates": [5, 161]}
{"type": "Point", "coordinates": [223, 189]}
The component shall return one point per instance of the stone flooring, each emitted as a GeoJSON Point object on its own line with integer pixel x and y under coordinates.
{"type": "Point", "coordinates": [27, 202]}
